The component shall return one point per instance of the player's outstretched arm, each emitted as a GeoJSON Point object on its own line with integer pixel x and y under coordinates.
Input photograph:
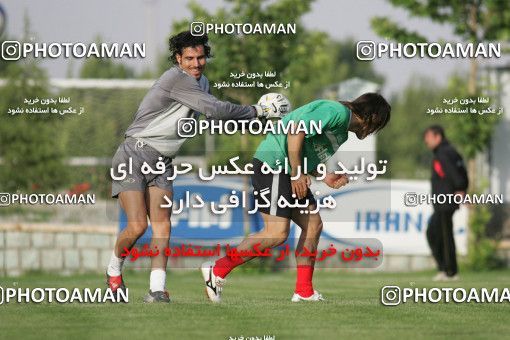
{"type": "Point", "coordinates": [187, 91]}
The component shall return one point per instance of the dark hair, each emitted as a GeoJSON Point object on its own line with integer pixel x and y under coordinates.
{"type": "Point", "coordinates": [185, 39]}
{"type": "Point", "coordinates": [435, 129]}
{"type": "Point", "coordinates": [372, 108]}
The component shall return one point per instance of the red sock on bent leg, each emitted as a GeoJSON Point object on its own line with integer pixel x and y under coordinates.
{"type": "Point", "coordinates": [225, 265]}
{"type": "Point", "coordinates": [304, 286]}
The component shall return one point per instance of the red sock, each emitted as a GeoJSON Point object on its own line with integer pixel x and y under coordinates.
{"type": "Point", "coordinates": [225, 265]}
{"type": "Point", "coordinates": [304, 286]}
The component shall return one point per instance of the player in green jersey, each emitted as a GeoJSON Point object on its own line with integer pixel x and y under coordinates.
{"type": "Point", "coordinates": [367, 114]}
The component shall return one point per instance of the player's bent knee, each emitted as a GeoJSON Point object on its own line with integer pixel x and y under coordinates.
{"type": "Point", "coordinates": [161, 229]}
{"type": "Point", "coordinates": [137, 228]}
{"type": "Point", "coordinates": [278, 238]}
{"type": "Point", "coordinates": [315, 228]}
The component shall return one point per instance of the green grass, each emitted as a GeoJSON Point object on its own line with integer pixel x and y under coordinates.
{"type": "Point", "coordinates": [257, 305]}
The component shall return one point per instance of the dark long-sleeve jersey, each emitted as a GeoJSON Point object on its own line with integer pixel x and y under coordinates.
{"type": "Point", "coordinates": [448, 173]}
{"type": "Point", "coordinates": [173, 96]}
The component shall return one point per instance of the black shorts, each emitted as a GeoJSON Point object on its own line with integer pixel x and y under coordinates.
{"type": "Point", "coordinates": [137, 181]}
{"type": "Point", "coordinates": [278, 185]}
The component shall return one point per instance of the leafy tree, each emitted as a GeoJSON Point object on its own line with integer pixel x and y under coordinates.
{"type": "Point", "coordinates": [108, 112]}
{"type": "Point", "coordinates": [104, 68]}
{"type": "Point", "coordinates": [400, 142]}
{"type": "Point", "coordinates": [30, 144]}
{"type": "Point", "coordinates": [474, 21]}
{"type": "Point", "coordinates": [4, 63]}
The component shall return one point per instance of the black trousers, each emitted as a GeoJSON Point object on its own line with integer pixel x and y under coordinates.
{"type": "Point", "coordinates": [441, 242]}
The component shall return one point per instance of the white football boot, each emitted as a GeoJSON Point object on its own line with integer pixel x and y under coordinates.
{"type": "Point", "coordinates": [316, 296]}
{"type": "Point", "coordinates": [440, 276]}
{"type": "Point", "coordinates": [213, 283]}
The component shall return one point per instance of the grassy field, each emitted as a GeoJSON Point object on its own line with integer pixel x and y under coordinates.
{"type": "Point", "coordinates": [257, 305]}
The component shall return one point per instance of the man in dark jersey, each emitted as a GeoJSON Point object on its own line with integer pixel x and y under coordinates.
{"type": "Point", "coordinates": [449, 176]}
{"type": "Point", "coordinates": [181, 92]}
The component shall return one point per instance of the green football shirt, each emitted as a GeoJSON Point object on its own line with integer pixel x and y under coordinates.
{"type": "Point", "coordinates": [317, 148]}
